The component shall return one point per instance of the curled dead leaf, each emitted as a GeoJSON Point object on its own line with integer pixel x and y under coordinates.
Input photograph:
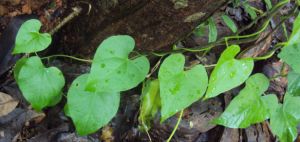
{"type": "Point", "coordinates": [7, 104]}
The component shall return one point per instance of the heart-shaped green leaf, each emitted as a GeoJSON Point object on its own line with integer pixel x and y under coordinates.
{"type": "Point", "coordinates": [90, 110]}
{"type": "Point", "coordinates": [285, 119]}
{"type": "Point", "coordinates": [179, 88]}
{"type": "Point", "coordinates": [249, 107]}
{"type": "Point", "coordinates": [290, 53]}
{"type": "Point", "coordinates": [112, 71]}
{"type": "Point", "coordinates": [229, 72]}
{"type": "Point", "coordinates": [294, 83]}
{"type": "Point", "coordinates": [40, 86]}
{"type": "Point", "coordinates": [29, 39]}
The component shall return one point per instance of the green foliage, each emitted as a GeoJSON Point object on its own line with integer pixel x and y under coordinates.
{"type": "Point", "coordinates": [285, 118]}
{"type": "Point", "coordinates": [290, 53]}
{"type": "Point", "coordinates": [230, 23]}
{"type": "Point", "coordinates": [93, 99]}
{"type": "Point", "coordinates": [213, 32]}
{"type": "Point", "coordinates": [29, 39]}
{"type": "Point", "coordinates": [250, 10]}
{"type": "Point", "coordinates": [243, 110]}
{"type": "Point", "coordinates": [200, 30]}
{"type": "Point", "coordinates": [150, 103]}
{"type": "Point", "coordinates": [294, 83]}
{"type": "Point", "coordinates": [179, 88]}
{"type": "Point", "coordinates": [90, 110]}
{"type": "Point", "coordinates": [229, 72]}
{"type": "Point", "coordinates": [96, 95]}
{"type": "Point", "coordinates": [112, 71]}
{"type": "Point", "coordinates": [268, 3]}
{"type": "Point", "coordinates": [40, 86]}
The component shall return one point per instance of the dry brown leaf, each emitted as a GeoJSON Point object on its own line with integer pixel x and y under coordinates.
{"type": "Point", "coordinates": [107, 134]}
{"type": "Point", "coordinates": [7, 104]}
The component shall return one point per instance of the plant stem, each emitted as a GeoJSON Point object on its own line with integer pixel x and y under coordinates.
{"type": "Point", "coordinates": [176, 126]}
{"type": "Point", "coordinates": [76, 12]}
{"type": "Point", "coordinates": [67, 56]}
{"type": "Point", "coordinates": [209, 66]}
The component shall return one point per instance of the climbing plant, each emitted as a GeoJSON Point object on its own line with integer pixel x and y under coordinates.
{"type": "Point", "coordinates": [93, 98]}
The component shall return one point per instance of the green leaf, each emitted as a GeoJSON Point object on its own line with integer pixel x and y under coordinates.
{"type": "Point", "coordinates": [268, 3]}
{"type": "Point", "coordinates": [90, 110]}
{"type": "Point", "coordinates": [150, 103]}
{"type": "Point", "coordinates": [294, 83]}
{"type": "Point", "coordinates": [285, 119]}
{"type": "Point", "coordinates": [229, 72]}
{"type": "Point", "coordinates": [179, 88]}
{"type": "Point", "coordinates": [200, 30]}
{"type": "Point", "coordinates": [112, 71]}
{"type": "Point", "coordinates": [230, 23]}
{"type": "Point", "coordinates": [290, 53]}
{"type": "Point", "coordinates": [249, 107]}
{"type": "Point", "coordinates": [249, 10]}
{"type": "Point", "coordinates": [40, 86]}
{"type": "Point", "coordinates": [29, 39]}
{"type": "Point", "coordinates": [213, 32]}
{"type": "Point", "coordinates": [270, 101]}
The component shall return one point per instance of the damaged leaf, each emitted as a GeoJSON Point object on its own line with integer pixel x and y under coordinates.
{"type": "Point", "coordinates": [90, 110]}
{"type": "Point", "coordinates": [179, 88]}
{"type": "Point", "coordinates": [112, 70]}
{"type": "Point", "coordinates": [229, 72]}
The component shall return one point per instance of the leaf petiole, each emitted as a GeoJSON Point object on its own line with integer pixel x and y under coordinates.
{"type": "Point", "coordinates": [176, 126]}
{"type": "Point", "coordinates": [67, 56]}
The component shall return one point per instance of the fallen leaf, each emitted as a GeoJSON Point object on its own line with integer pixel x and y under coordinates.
{"type": "Point", "coordinates": [107, 134]}
{"type": "Point", "coordinates": [7, 104]}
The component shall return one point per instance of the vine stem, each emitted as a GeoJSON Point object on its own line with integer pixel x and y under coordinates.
{"type": "Point", "coordinates": [67, 56]}
{"type": "Point", "coordinates": [222, 41]}
{"type": "Point", "coordinates": [176, 126]}
{"type": "Point", "coordinates": [76, 12]}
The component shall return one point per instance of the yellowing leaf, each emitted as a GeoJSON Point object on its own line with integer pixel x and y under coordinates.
{"type": "Point", "coordinates": [150, 103]}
